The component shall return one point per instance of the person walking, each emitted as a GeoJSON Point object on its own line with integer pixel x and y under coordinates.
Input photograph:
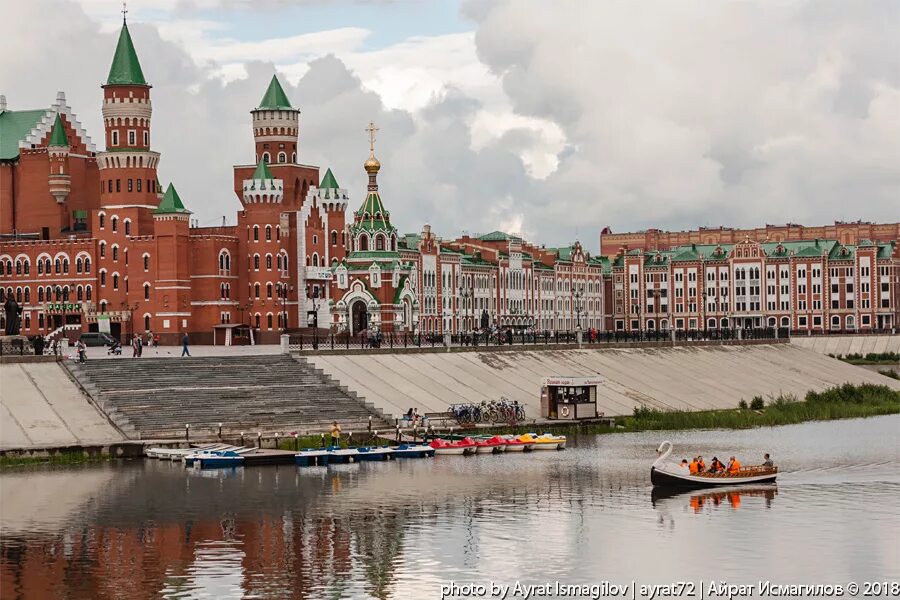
{"type": "Point", "coordinates": [184, 345]}
{"type": "Point", "coordinates": [135, 346]}
{"type": "Point", "coordinates": [82, 351]}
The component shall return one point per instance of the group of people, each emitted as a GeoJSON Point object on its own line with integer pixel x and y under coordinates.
{"type": "Point", "coordinates": [697, 466]}
{"type": "Point", "coordinates": [412, 415]}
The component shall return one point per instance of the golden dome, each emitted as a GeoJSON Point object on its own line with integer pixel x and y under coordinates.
{"type": "Point", "coordinates": [372, 165]}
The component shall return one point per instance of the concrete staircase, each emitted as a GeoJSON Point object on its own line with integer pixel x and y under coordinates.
{"type": "Point", "coordinates": [151, 398]}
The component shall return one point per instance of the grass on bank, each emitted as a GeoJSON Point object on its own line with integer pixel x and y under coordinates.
{"type": "Point", "coordinates": [843, 402]}
{"type": "Point", "coordinates": [872, 358]}
{"type": "Point", "coordinates": [60, 458]}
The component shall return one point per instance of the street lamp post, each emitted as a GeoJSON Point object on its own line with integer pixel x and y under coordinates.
{"type": "Point", "coordinates": [578, 295]}
{"type": "Point", "coordinates": [315, 317]}
{"type": "Point", "coordinates": [283, 290]}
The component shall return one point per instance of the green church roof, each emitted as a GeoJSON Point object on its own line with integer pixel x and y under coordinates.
{"type": "Point", "coordinates": [125, 68]}
{"type": "Point", "coordinates": [329, 182]}
{"type": "Point", "coordinates": [275, 98]}
{"type": "Point", "coordinates": [14, 126]}
{"type": "Point", "coordinates": [262, 171]}
{"type": "Point", "coordinates": [171, 203]}
{"type": "Point", "coordinates": [58, 137]}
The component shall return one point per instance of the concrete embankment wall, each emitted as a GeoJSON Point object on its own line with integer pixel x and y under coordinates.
{"type": "Point", "coordinates": [40, 406]}
{"type": "Point", "coordinates": [849, 344]}
{"type": "Point", "coordinates": [681, 378]}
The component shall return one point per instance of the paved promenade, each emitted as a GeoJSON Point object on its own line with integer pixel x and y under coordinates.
{"type": "Point", "coordinates": [674, 378]}
{"type": "Point", "coordinates": [41, 407]}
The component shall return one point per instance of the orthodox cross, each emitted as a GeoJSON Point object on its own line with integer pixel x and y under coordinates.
{"type": "Point", "coordinates": [371, 129]}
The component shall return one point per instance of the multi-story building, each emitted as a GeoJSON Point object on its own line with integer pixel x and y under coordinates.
{"type": "Point", "coordinates": [848, 233]}
{"type": "Point", "coordinates": [800, 285]}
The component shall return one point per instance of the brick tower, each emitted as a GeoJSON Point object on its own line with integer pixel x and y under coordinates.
{"type": "Point", "coordinates": [128, 167]}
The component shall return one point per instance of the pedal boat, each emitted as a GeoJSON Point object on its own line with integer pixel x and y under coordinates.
{"type": "Point", "coordinates": [516, 444]}
{"type": "Point", "coordinates": [463, 446]}
{"type": "Point", "coordinates": [217, 459]}
{"type": "Point", "coordinates": [375, 453]}
{"type": "Point", "coordinates": [312, 457]}
{"type": "Point", "coordinates": [413, 451]}
{"type": "Point", "coordinates": [668, 474]}
{"type": "Point", "coordinates": [491, 445]}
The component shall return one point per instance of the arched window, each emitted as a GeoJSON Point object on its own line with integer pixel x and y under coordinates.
{"type": "Point", "coordinates": [278, 262]}
{"type": "Point", "coordinates": [284, 261]}
{"type": "Point", "coordinates": [102, 249]}
{"type": "Point", "coordinates": [58, 264]}
{"type": "Point", "coordinates": [87, 265]}
{"type": "Point", "coordinates": [379, 242]}
{"type": "Point", "coordinates": [268, 290]}
{"type": "Point", "coordinates": [268, 262]}
{"type": "Point", "coordinates": [256, 261]}
{"type": "Point", "coordinates": [115, 281]}
{"type": "Point", "coordinates": [79, 265]}
{"type": "Point", "coordinates": [46, 267]}
{"type": "Point", "coordinates": [114, 224]}
{"type": "Point", "coordinates": [27, 295]}
{"type": "Point", "coordinates": [79, 293]}
{"type": "Point", "coordinates": [256, 290]}
{"type": "Point", "coordinates": [266, 157]}
{"type": "Point", "coordinates": [127, 222]}
{"type": "Point", "coordinates": [334, 238]}
{"type": "Point", "coordinates": [40, 294]}
{"type": "Point", "coordinates": [65, 293]}
{"type": "Point", "coordinates": [363, 242]}
{"type": "Point", "coordinates": [146, 322]}
{"type": "Point", "coordinates": [115, 253]}
{"type": "Point", "coordinates": [257, 320]}
{"type": "Point", "coordinates": [102, 217]}
{"type": "Point", "coordinates": [268, 233]}
{"type": "Point", "coordinates": [146, 291]}
{"type": "Point", "coordinates": [256, 233]}
{"type": "Point", "coordinates": [315, 259]}
{"type": "Point", "coordinates": [282, 157]}
{"type": "Point", "coordinates": [87, 293]}
{"type": "Point", "coordinates": [146, 262]}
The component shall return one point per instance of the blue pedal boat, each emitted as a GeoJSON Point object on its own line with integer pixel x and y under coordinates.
{"type": "Point", "coordinates": [413, 451]}
{"type": "Point", "coordinates": [375, 453]}
{"type": "Point", "coordinates": [217, 459]}
{"type": "Point", "coordinates": [338, 455]}
{"type": "Point", "coordinates": [312, 458]}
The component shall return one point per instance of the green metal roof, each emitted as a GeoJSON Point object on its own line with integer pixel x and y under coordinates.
{"type": "Point", "coordinates": [329, 182]}
{"type": "Point", "coordinates": [14, 126]}
{"type": "Point", "coordinates": [275, 98]}
{"type": "Point", "coordinates": [58, 137]}
{"type": "Point", "coordinates": [171, 203]}
{"type": "Point", "coordinates": [125, 68]}
{"type": "Point", "coordinates": [262, 171]}
{"type": "Point", "coordinates": [498, 236]}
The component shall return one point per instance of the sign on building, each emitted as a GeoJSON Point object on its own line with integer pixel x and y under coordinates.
{"type": "Point", "coordinates": [103, 324]}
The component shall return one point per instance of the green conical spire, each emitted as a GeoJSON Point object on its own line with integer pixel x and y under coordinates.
{"type": "Point", "coordinates": [329, 182]}
{"type": "Point", "coordinates": [171, 202]}
{"type": "Point", "coordinates": [58, 136]}
{"type": "Point", "coordinates": [275, 98]}
{"type": "Point", "coordinates": [125, 69]}
{"type": "Point", "coordinates": [262, 171]}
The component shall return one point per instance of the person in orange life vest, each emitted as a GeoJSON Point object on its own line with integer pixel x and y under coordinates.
{"type": "Point", "coordinates": [693, 467]}
{"type": "Point", "coordinates": [734, 466]}
{"type": "Point", "coordinates": [701, 466]}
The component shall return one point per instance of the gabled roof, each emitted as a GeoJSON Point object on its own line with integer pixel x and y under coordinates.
{"type": "Point", "coordinates": [58, 137]}
{"type": "Point", "coordinates": [275, 98]}
{"type": "Point", "coordinates": [262, 171]}
{"type": "Point", "coordinates": [498, 236]}
{"type": "Point", "coordinates": [171, 203]}
{"type": "Point", "coordinates": [125, 68]}
{"type": "Point", "coordinates": [329, 182]}
{"type": "Point", "coordinates": [15, 125]}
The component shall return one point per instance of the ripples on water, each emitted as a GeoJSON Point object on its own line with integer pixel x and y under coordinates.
{"type": "Point", "coordinates": [399, 529]}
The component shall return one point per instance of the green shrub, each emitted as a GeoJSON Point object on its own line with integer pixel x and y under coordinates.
{"type": "Point", "coordinates": [742, 404]}
{"type": "Point", "coordinates": [889, 373]}
{"type": "Point", "coordinates": [757, 403]}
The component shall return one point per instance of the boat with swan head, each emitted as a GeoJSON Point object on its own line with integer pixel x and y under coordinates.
{"type": "Point", "coordinates": [667, 474]}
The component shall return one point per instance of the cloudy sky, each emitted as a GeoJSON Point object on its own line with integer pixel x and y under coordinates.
{"type": "Point", "coordinates": [551, 119]}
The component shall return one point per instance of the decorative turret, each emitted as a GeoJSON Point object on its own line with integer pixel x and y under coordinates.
{"type": "Point", "coordinates": [171, 206]}
{"type": "Point", "coordinates": [275, 126]}
{"type": "Point", "coordinates": [58, 151]}
{"type": "Point", "coordinates": [128, 166]}
{"type": "Point", "coordinates": [263, 188]}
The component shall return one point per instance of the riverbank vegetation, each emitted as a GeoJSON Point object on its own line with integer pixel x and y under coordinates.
{"type": "Point", "coordinates": [843, 402]}
{"type": "Point", "coordinates": [76, 457]}
{"type": "Point", "coordinates": [872, 358]}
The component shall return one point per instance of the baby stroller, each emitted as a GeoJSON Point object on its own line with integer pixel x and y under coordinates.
{"type": "Point", "coordinates": [115, 348]}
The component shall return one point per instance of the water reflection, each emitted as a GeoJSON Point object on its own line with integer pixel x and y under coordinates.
{"type": "Point", "coordinates": [400, 529]}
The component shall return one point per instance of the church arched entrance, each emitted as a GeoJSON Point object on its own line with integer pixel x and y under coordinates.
{"type": "Point", "coordinates": [359, 317]}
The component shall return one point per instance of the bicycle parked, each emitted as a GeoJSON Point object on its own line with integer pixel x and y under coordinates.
{"type": "Point", "coordinates": [502, 411]}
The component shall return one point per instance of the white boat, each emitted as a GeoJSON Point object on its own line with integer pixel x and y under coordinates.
{"type": "Point", "coordinates": [667, 474]}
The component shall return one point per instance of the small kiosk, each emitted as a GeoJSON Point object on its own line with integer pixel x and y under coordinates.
{"type": "Point", "coordinates": [569, 398]}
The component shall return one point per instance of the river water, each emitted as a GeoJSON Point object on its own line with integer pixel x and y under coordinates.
{"type": "Point", "coordinates": [402, 529]}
